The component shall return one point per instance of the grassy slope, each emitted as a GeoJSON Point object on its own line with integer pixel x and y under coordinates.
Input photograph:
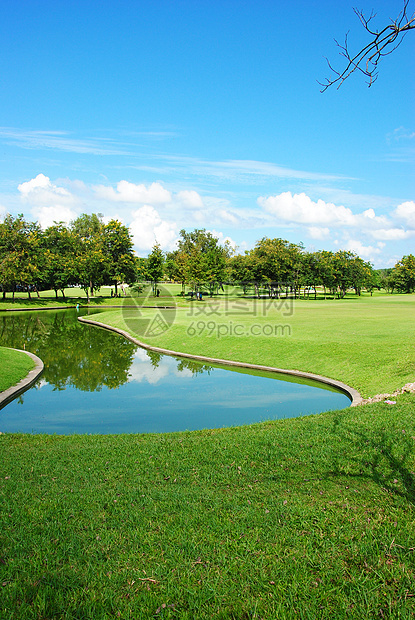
{"type": "Point", "coordinates": [14, 366]}
{"type": "Point", "coordinates": [303, 518]}
{"type": "Point", "coordinates": [367, 342]}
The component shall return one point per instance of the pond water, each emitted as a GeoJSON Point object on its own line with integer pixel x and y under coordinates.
{"type": "Point", "coordinates": [96, 381]}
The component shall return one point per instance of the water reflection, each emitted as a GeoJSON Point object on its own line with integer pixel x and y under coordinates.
{"type": "Point", "coordinates": [96, 381]}
{"type": "Point", "coordinates": [86, 359]}
{"type": "Point", "coordinates": [78, 355]}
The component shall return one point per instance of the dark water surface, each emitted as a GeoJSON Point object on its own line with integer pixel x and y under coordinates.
{"type": "Point", "coordinates": [98, 382]}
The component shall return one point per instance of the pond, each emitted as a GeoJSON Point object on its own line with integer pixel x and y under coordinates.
{"type": "Point", "coordinates": [96, 381]}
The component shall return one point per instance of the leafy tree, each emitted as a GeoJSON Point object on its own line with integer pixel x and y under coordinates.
{"type": "Point", "coordinates": [279, 262]}
{"type": "Point", "coordinates": [90, 259]}
{"type": "Point", "coordinates": [119, 254]}
{"type": "Point", "coordinates": [176, 267]}
{"type": "Point", "coordinates": [22, 259]}
{"type": "Point", "coordinates": [155, 266]}
{"type": "Point", "coordinates": [404, 274]}
{"type": "Point", "coordinates": [386, 279]}
{"type": "Point", "coordinates": [60, 245]}
{"type": "Point", "coordinates": [202, 259]}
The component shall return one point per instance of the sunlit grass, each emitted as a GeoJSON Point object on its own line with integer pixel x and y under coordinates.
{"type": "Point", "coordinates": [14, 366]}
{"type": "Point", "coordinates": [310, 517]}
{"type": "Point", "coordinates": [364, 342]}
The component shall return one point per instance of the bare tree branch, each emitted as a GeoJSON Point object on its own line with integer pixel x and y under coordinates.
{"type": "Point", "coordinates": [382, 43]}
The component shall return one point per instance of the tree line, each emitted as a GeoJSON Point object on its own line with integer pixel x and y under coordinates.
{"type": "Point", "coordinates": [276, 265]}
{"type": "Point", "coordinates": [87, 253]}
{"type": "Point", "coordinates": [90, 254]}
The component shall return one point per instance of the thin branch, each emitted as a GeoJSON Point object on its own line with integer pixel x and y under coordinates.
{"type": "Point", "coordinates": [383, 43]}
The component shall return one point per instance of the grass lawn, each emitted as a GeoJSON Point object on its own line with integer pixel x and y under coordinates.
{"type": "Point", "coordinates": [308, 518]}
{"type": "Point", "coordinates": [304, 518]}
{"type": "Point", "coordinates": [14, 367]}
{"type": "Point", "coordinates": [365, 342]}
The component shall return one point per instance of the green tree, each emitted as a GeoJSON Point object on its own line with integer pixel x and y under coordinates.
{"type": "Point", "coordinates": [155, 266]}
{"type": "Point", "coordinates": [90, 260]}
{"type": "Point", "coordinates": [60, 246]}
{"type": "Point", "coordinates": [119, 254]}
{"type": "Point", "coordinates": [404, 274]}
{"type": "Point", "coordinates": [22, 256]}
{"type": "Point", "coordinates": [176, 267]}
{"type": "Point", "coordinates": [279, 263]}
{"type": "Point", "coordinates": [203, 258]}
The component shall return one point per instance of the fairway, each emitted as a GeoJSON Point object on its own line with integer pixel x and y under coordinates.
{"type": "Point", "coordinates": [366, 342]}
{"type": "Point", "coordinates": [306, 518]}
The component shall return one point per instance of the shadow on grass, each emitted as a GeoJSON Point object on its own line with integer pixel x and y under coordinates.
{"type": "Point", "coordinates": [383, 456]}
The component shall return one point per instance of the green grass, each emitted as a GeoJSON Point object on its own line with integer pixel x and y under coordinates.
{"type": "Point", "coordinates": [304, 518]}
{"type": "Point", "coordinates": [75, 295]}
{"type": "Point", "coordinates": [14, 366]}
{"type": "Point", "coordinates": [365, 342]}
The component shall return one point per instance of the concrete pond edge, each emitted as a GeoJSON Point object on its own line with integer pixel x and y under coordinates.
{"type": "Point", "coordinates": [354, 395]}
{"type": "Point", "coordinates": [24, 384]}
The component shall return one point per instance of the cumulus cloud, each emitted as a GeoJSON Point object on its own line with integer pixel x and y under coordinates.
{"type": "Point", "coordinates": [49, 202]}
{"type": "Point", "coordinates": [317, 232]}
{"type": "Point", "coordinates": [391, 234]}
{"type": "Point", "coordinates": [46, 216]}
{"type": "Point", "coordinates": [406, 213]}
{"type": "Point", "coordinates": [223, 238]}
{"type": "Point", "coordinates": [148, 228]}
{"type": "Point", "coordinates": [155, 193]}
{"type": "Point", "coordinates": [41, 191]}
{"type": "Point", "coordinates": [367, 252]}
{"type": "Point", "coordinates": [190, 199]}
{"type": "Point", "coordinates": [299, 208]}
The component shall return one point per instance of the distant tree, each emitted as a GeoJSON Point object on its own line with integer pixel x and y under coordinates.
{"type": "Point", "coordinates": [381, 43]}
{"type": "Point", "coordinates": [386, 279]}
{"type": "Point", "coordinates": [60, 252]}
{"type": "Point", "coordinates": [203, 259]}
{"type": "Point", "coordinates": [90, 259]}
{"type": "Point", "coordinates": [278, 262]}
{"type": "Point", "coordinates": [404, 274]}
{"type": "Point", "coordinates": [176, 267]}
{"type": "Point", "coordinates": [155, 266]}
{"type": "Point", "coordinates": [119, 254]}
{"type": "Point", "coordinates": [22, 258]}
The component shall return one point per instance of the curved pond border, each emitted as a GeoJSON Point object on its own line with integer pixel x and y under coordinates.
{"type": "Point", "coordinates": [11, 393]}
{"type": "Point", "coordinates": [353, 394]}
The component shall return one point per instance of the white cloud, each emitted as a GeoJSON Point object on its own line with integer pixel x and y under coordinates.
{"type": "Point", "coordinates": [316, 232]}
{"type": "Point", "coordinates": [391, 234]}
{"type": "Point", "coordinates": [46, 216]}
{"type": "Point", "coordinates": [3, 212]}
{"type": "Point", "coordinates": [368, 252]}
{"type": "Point", "coordinates": [41, 191]}
{"type": "Point", "coordinates": [299, 208]}
{"type": "Point", "coordinates": [406, 213]}
{"type": "Point", "coordinates": [223, 239]}
{"type": "Point", "coordinates": [49, 203]}
{"type": "Point", "coordinates": [134, 193]}
{"type": "Point", "coordinates": [190, 199]}
{"type": "Point", "coordinates": [59, 141]}
{"type": "Point", "coordinates": [147, 228]}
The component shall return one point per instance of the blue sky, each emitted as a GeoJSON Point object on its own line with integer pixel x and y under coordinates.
{"type": "Point", "coordinates": [206, 114]}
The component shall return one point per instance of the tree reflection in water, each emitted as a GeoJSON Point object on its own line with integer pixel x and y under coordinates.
{"type": "Point", "coordinates": [76, 354]}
